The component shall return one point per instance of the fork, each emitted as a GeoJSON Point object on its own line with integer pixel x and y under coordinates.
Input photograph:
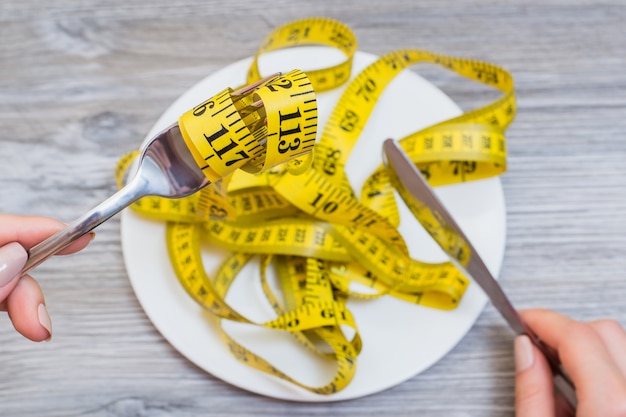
{"type": "Point", "coordinates": [166, 168]}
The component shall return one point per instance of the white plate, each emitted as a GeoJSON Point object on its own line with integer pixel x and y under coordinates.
{"type": "Point", "coordinates": [400, 340]}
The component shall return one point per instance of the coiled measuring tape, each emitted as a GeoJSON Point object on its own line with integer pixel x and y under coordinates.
{"type": "Point", "coordinates": [306, 220]}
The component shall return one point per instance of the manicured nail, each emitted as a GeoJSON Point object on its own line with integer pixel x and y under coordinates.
{"type": "Point", "coordinates": [12, 259]}
{"type": "Point", "coordinates": [44, 320]}
{"type": "Point", "coordinates": [524, 353]}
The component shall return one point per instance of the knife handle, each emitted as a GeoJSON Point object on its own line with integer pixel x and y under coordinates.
{"type": "Point", "coordinates": [562, 381]}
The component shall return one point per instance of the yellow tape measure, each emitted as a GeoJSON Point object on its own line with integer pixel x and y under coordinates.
{"type": "Point", "coordinates": [303, 219]}
{"type": "Point", "coordinates": [254, 128]}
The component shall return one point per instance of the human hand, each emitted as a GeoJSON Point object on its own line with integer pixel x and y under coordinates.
{"type": "Point", "coordinates": [594, 356]}
{"type": "Point", "coordinates": [22, 297]}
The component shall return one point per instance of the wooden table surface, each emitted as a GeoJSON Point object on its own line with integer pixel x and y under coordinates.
{"type": "Point", "coordinates": [82, 82]}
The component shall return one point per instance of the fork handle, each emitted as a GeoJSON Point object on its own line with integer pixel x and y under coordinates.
{"type": "Point", "coordinates": [130, 193]}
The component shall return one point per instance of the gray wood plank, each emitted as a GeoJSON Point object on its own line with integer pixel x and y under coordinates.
{"type": "Point", "coordinates": [81, 83]}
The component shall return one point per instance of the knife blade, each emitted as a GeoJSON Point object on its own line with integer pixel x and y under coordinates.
{"type": "Point", "coordinates": [441, 226]}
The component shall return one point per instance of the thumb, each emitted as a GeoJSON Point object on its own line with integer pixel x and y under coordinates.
{"type": "Point", "coordinates": [534, 395]}
{"type": "Point", "coordinates": [13, 256]}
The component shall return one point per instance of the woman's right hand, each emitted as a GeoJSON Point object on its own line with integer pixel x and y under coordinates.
{"type": "Point", "coordinates": [593, 354]}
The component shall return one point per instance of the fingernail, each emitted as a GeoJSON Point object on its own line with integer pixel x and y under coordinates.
{"type": "Point", "coordinates": [524, 353]}
{"type": "Point", "coordinates": [92, 235]}
{"type": "Point", "coordinates": [44, 320]}
{"type": "Point", "coordinates": [12, 259]}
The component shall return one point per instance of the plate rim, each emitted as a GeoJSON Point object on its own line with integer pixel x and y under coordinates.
{"type": "Point", "coordinates": [294, 394]}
